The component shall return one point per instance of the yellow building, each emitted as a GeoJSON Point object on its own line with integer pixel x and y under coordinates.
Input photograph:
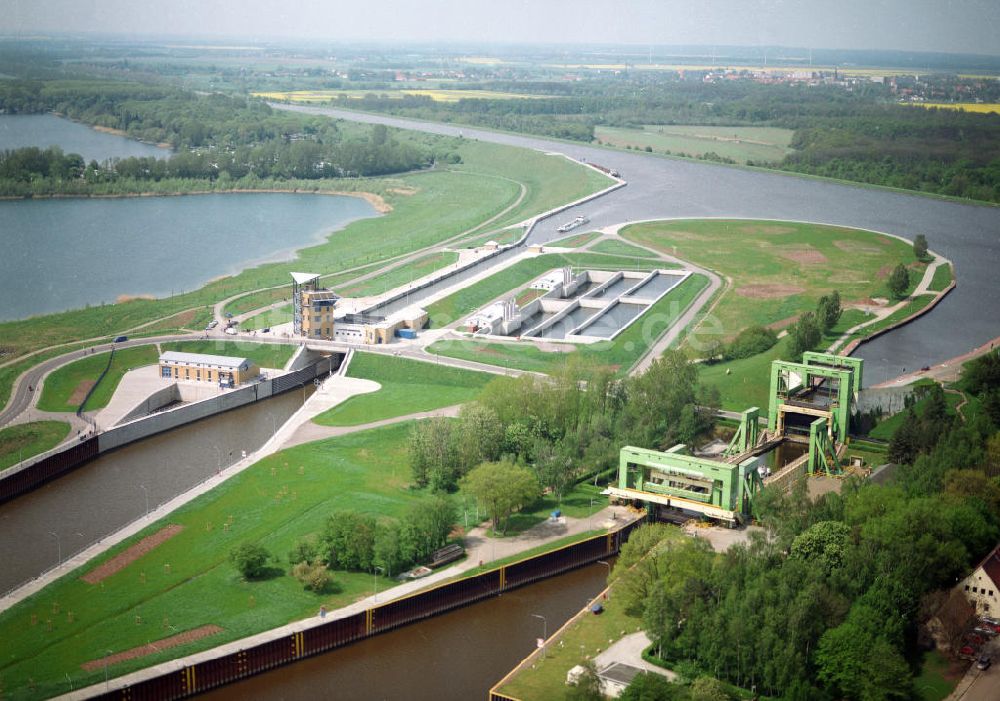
{"type": "Point", "coordinates": [982, 587]}
{"type": "Point", "coordinates": [312, 307]}
{"type": "Point", "coordinates": [201, 367]}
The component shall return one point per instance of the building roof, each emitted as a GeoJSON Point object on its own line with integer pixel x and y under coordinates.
{"type": "Point", "coordinates": [991, 565]}
{"type": "Point", "coordinates": [620, 672]}
{"type": "Point", "coordinates": [322, 296]}
{"type": "Point", "coordinates": [302, 278]}
{"type": "Point", "coordinates": [202, 359]}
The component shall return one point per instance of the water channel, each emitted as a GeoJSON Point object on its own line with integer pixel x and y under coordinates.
{"type": "Point", "coordinates": [459, 655]}
{"type": "Point", "coordinates": [44, 130]}
{"type": "Point", "coordinates": [68, 514]}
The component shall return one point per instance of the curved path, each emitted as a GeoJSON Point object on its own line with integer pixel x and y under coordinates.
{"type": "Point", "coordinates": [665, 188]}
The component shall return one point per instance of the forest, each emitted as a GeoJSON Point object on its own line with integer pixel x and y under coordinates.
{"type": "Point", "coordinates": [828, 602]}
{"type": "Point", "coordinates": [214, 136]}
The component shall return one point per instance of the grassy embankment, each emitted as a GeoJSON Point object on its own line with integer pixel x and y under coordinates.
{"type": "Point", "coordinates": [943, 276]}
{"type": "Point", "coordinates": [65, 387]}
{"type": "Point", "coordinates": [620, 248]}
{"type": "Point", "coordinates": [408, 386]}
{"type": "Point", "coordinates": [427, 208]}
{"type": "Point", "coordinates": [742, 144]}
{"type": "Point", "coordinates": [575, 241]}
{"type": "Point", "coordinates": [187, 581]}
{"type": "Point", "coordinates": [778, 270]}
{"type": "Point", "coordinates": [265, 355]}
{"type": "Point", "coordinates": [21, 441]}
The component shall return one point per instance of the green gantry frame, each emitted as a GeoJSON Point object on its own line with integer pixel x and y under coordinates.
{"type": "Point", "coordinates": [675, 473]}
{"type": "Point", "coordinates": [846, 362]}
{"type": "Point", "coordinates": [747, 433]}
{"type": "Point", "coordinates": [840, 407]}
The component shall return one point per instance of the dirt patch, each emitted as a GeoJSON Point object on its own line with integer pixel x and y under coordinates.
{"type": "Point", "coordinates": [806, 255]}
{"type": "Point", "coordinates": [80, 393]}
{"type": "Point", "coordinates": [150, 648]}
{"type": "Point", "coordinates": [783, 324]}
{"type": "Point", "coordinates": [403, 190]}
{"type": "Point", "coordinates": [528, 296]}
{"type": "Point", "coordinates": [767, 230]}
{"type": "Point", "coordinates": [773, 291]}
{"type": "Point", "coordinates": [883, 272]}
{"type": "Point", "coordinates": [121, 299]}
{"type": "Point", "coordinates": [856, 247]}
{"type": "Point", "coordinates": [131, 554]}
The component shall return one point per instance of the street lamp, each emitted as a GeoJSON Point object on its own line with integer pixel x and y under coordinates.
{"type": "Point", "coordinates": [107, 655]}
{"type": "Point", "coordinates": [375, 579]}
{"type": "Point", "coordinates": [58, 546]}
{"type": "Point", "coordinates": [145, 493]}
{"type": "Point", "coordinates": [218, 459]}
{"type": "Point", "coordinates": [545, 630]}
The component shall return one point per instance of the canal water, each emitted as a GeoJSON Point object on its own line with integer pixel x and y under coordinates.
{"type": "Point", "coordinates": [459, 655]}
{"type": "Point", "coordinates": [68, 514]}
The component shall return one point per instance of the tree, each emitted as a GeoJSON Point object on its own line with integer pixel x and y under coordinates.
{"type": "Point", "coordinates": [823, 543]}
{"type": "Point", "coordinates": [649, 686]}
{"type": "Point", "coordinates": [708, 689]}
{"type": "Point", "coordinates": [501, 488]}
{"type": "Point", "coordinates": [920, 247]}
{"type": "Point", "coordinates": [349, 540]}
{"type": "Point", "coordinates": [805, 335]}
{"type": "Point", "coordinates": [305, 550]}
{"type": "Point", "coordinates": [828, 310]}
{"type": "Point", "coordinates": [899, 280]}
{"type": "Point", "coordinates": [250, 559]}
{"type": "Point", "coordinates": [313, 576]}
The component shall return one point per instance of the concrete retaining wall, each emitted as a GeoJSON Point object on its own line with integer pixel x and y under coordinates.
{"type": "Point", "coordinates": [155, 401]}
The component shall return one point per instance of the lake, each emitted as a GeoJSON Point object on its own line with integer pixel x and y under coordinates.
{"type": "Point", "coordinates": [44, 130]}
{"type": "Point", "coordinates": [67, 253]}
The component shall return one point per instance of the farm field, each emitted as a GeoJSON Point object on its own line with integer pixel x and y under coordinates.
{"type": "Point", "coordinates": [742, 144]}
{"type": "Point", "coordinates": [408, 386]}
{"type": "Point", "coordinates": [21, 441]}
{"type": "Point", "coordinates": [186, 582]}
{"type": "Point", "coordinates": [979, 107]}
{"type": "Point", "coordinates": [437, 95]}
{"type": "Point", "coordinates": [66, 387]}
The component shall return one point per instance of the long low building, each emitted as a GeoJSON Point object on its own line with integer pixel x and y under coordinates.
{"type": "Point", "coordinates": [202, 367]}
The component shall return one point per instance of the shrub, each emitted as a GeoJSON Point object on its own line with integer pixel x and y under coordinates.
{"type": "Point", "coordinates": [314, 576]}
{"type": "Point", "coordinates": [250, 559]}
{"type": "Point", "coordinates": [751, 341]}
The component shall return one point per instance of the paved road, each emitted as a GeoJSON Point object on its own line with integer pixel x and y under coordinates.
{"type": "Point", "coordinates": [669, 188]}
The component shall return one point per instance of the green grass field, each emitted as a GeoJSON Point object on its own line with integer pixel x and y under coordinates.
{"type": "Point", "coordinates": [272, 317]}
{"type": "Point", "coordinates": [620, 248]}
{"type": "Point", "coordinates": [408, 386]}
{"type": "Point", "coordinates": [265, 355]}
{"type": "Point", "coordinates": [187, 582]}
{"type": "Point", "coordinates": [619, 354]}
{"type": "Point", "coordinates": [938, 677]}
{"type": "Point", "coordinates": [942, 278]}
{"type": "Point", "coordinates": [65, 388]}
{"type": "Point", "coordinates": [400, 276]}
{"type": "Point", "coordinates": [778, 269]}
{"type": "Point", "coordinates": [576, 241]}
{"type": "Point", "coordinates": [21, 441]}
{"type": "Point", "coordinates": [742, 144]}
{"type": "Point", "coordinates": [505, 236]}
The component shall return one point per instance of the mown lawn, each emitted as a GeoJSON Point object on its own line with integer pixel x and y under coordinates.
{"type": "Point", "coordinates": [272, 317]}
{"type": "Point", "coordinates": [65, 387]}
{"type": "Point", "coordinates": [402, 275]}
{"type": "Point", "coordinates": [779, 269]}
{"type": "Point", "coordinates": [942, 278]}
{"type": "Point", "coordinates": [21, 441]}
{"type": "Point", "coordinates": [938, 677]}
{"type": "Point", "coordinates": [619, 354]}
{"type": "Point", "coordinates": [742, 144]}
{"type": "Point", "coordinates": [408, 386]}
{"type": "Point", "coordinates": [620, 248]}
{"type": "Point", "coordinates": [576, 241]}
{"type": "Point", "coordinates": [265, 355]}
{"type": "Point", "coordinates": [187, 581]}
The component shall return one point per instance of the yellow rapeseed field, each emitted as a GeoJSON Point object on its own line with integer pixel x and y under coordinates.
{"type": "Point", "coordinates": [981, 107]}
{"type": "Point", "coordinates": [438, 95]}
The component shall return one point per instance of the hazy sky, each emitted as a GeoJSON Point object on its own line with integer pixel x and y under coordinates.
{"type": "Point", "coordinates": [967, 26]}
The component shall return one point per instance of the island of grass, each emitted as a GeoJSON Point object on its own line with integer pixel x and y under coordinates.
{"type": "Point", "coordinates": [265, 355]}
{"type": "Point", "coordinates": [21, 441]}
{"type": "Point", "coordinates": [408, 386]}
{"type": "Point", "coordinates": [65, 388]}
{"type": "Point", "coordinates": [777, 271]}
{"type": "Point", "coordinates": [186, 582]}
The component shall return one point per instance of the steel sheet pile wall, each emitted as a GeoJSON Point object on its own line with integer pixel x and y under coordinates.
{"type": "Point", "coordinates": [336, 633]}
{"type": "Point", "coordinates": [17, 482]}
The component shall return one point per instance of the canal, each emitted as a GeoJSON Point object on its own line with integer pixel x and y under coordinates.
{"type": "Point", "coordinates": [459, 655]}
{"type": "Point", "coordinates": [66, 515]}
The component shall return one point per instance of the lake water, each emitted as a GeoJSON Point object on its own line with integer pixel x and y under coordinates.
{"type": "Point", "coordinates": [65, 254]}
{"type": "Point", "coordinates": [44, 130]}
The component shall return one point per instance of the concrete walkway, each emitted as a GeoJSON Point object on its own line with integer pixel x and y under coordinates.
{"type": "Point", "coordinates": [628, 650]}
